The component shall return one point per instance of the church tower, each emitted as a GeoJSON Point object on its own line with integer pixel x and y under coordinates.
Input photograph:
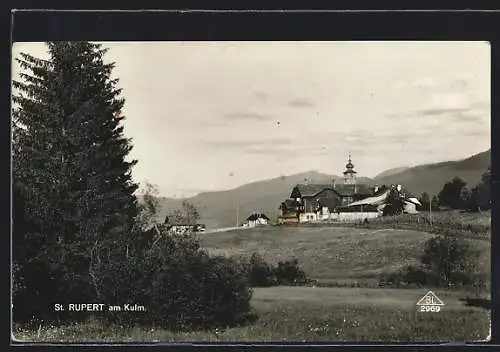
{"type": "Point", "coordinates": [349, 173]}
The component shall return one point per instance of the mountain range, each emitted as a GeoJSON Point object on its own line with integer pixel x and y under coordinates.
{"type": "Point", "coordinates": [227, 208]}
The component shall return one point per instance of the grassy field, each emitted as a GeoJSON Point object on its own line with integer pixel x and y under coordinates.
{"type": "Point", "coordinates": [333, 255]}
{"type": "Point", "coordinates": [312, 314]}
{"type": "Point", "coordinates": [453, 222]}
{"type": "Point", "coordinates": [336, 256]}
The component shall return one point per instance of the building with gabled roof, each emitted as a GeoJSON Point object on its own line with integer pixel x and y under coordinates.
{"type": "Point", "coordinates": [256, 219]}
{"type": "Point", "coordinates": [312, 202]}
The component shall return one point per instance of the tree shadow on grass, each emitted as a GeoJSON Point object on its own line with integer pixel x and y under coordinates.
{"type": "Point", "coordinates": [477, 302]}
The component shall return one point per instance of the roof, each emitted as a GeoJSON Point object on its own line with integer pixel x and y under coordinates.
{"type": "Point", "coordinates": [406, 193]}
{"type": "Point", "coordinates": [328, 202]}
{"type": "Point", "coordinates": [342, 189]}
{"type": "Point", "coordinates": [311, 189]}
{"type": "Point", "coordinates": [378, 199]}
{"type": "Point", "coordinates": [289, 204]}
{"type": "Point", "coordinates": [256, 216]}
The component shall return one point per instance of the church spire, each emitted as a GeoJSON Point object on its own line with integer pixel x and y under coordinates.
{"type": "Point", "coordinates": [349, 173]}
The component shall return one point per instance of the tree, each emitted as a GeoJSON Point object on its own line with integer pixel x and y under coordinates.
{"type": "Point", "coordinates": [451, 259]}
{"type": "Point", "coordinates": [465, 198]}
{"type": "Point", "coordinates": [70, 170]}
{"type": "Point", "coordinates": [483, 191]}
{"type": "Point", "coordinates": [187, 215]}
{"type": "Point", "coordinates": [424, 200]}
{"type": "Point", "coordinates": [148, 207]}
{"type": "Point", "coordinates": [450, 194]}
{"type": "Point", "coordinates": [480, 195]}
{"type": "Point", "coordinates": [435, 202]}
{"type": "Point", "coordinates": [394, 203]}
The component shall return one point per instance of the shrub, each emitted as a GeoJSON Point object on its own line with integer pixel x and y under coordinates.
{"type": "Point", "coordinates": [261, 274]}
{"type": "Point", "coordinates": [289, 272]}
{"type": "Point", "coordinates": [180, 286]}
{"type": "Point", "coordinates": [451, 258]}
{"type": "Point", "coordinates": [412, 276]}
{"type": "Point", "coordinates": [446, 261]}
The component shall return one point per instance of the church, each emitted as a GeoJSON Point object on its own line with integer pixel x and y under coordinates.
{"type": "Point", "coordinates": [314, 202]}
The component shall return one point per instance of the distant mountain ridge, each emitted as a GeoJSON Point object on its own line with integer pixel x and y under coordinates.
{"type": "Point", "coordinates": [219, 208]}
{"type": "Point", "coordinates": [430, 178]}
{"type": "Point", "coordinates": [391, 171]}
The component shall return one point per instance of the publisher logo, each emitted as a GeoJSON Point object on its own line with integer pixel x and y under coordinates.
{"type": "Point", "coordinates": [430, 303]}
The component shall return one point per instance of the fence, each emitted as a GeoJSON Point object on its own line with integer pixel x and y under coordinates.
{"type": "Point", "coordinates": [438, 225]}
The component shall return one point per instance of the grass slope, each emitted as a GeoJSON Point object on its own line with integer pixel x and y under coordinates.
{"type": "Point", "coordinates": [318, 313]}
{"type": "Point", "coordinates": [332, 255]}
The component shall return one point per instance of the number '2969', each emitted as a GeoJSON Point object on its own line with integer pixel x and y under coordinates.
{"type": "Point", "coordinates": [430, 308]}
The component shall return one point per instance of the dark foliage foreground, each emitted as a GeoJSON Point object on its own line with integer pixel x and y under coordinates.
{"type": "Point", "coordinates": [445, 262]}
{"type": "Point", "coordinates": [180, 285]}
{"type": "Point", "coordinates": [79, 234]}
{"type": "Point", "coordinates": [259, 273]}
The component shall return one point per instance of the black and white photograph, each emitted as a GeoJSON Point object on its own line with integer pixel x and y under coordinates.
{"type": "Point", "coordinates": [251, 191]}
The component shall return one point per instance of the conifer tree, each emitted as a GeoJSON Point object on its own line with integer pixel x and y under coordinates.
{"type": "Point", "coordinates": [74, 193]}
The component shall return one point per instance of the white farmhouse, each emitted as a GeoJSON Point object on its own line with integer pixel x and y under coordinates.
{"type": "Point", "coordinates": [256, 219]}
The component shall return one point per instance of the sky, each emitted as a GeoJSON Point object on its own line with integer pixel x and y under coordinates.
{"type": "Point", "coordinates": [207, 116]}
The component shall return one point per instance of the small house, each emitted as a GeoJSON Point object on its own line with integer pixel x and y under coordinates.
{"type": "Point", "coordinates": [256, 219]}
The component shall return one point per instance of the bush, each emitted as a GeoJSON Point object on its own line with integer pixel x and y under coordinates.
{"type": "Point", "coordinates": [446, 261]}
{"type": "Point", "coordinates": [451, 258]}
{"type": "Point", "coordinates": [412, 276]}
{"type": "Point", "coordinates": [261, 274]}
{"type": "Point", "coordinates": [289, 272]}
{"type": "Point", "coordinates": [180, 286]}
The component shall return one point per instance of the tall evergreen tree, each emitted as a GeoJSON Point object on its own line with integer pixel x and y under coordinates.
{"type": "Point", "coordinates": [71, 173]}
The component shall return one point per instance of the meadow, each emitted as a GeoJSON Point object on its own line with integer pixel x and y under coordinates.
{"type": "Point", "coordinates": [459, 223]}
{"type": "Point", "coordinates": [349, 261]}
{"type": "Point", "coordinates": [334, 256]}
{"type": "Point", "coordinates": [310, 314]}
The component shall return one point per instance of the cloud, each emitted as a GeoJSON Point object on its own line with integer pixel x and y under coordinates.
{"type": "Point", "coordinates": [462, 79]}
{"type": "Point", "coordinates": [272, 151]}
{"type": "Point", "coordinates": [213, 124]}
{"type": "Point", "coordinates": [474, 113]}
{"type": "Point", "coordinates": [230, 144]}
{"type": "Point", "coordinates": [419, 82]}
{"type": "Point", "coordinates": [469, 116]}
{"type": "Point", "coordinates": [301, 103]}
{"type": "Point", "coordinates": [450, 100]}
{"type": "Point", "coordinates": [247, 116]}
{"type": "Point", "coordinates": [251, 146]}
{"type": "Point", "coordinates": [400, 85]}
{"type": "Point", "coordinates": [482, 105]}
{"type": "Point", "coordinates": [424, 82]}
{"type": "Point", "coordinates": [441, 111]}
{"type": "Point", "coordinates": [279, 154]}
{"type": "Point", "coordinates": [458, 106]}
{"type": "Point", "coordinates": [260, 95]}
{"type": "Point", "coordinates": [473, 133]}
{"type": "Point", "coordinates": [381, 139]}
